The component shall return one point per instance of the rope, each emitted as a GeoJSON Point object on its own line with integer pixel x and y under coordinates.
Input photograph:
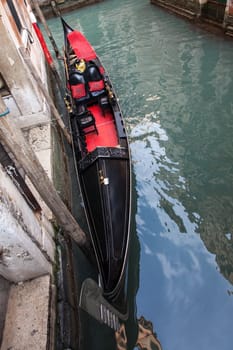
{"type": "Point", "coordinates": [7, 111]}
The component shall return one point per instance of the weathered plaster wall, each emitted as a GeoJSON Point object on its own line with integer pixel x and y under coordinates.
{"type": "Point", "coordinates": [230, 7]}
{"type": "Point", "coordinates": [229, 12]}
{"type": "Point", "coordinates": [27, 247]}
{"type": "Point", "coordinates": [23, 88]}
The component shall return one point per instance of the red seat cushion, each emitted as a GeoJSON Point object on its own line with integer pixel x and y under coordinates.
{"type": "Point", "coordinates": [96, 85]}
{"type": "Point", "coordinates": [78, 90]}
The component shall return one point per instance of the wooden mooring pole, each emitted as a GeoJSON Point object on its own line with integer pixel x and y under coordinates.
{"type": "Point", "coordinates": [43, 21]}
{"type": "Point", "coordinates": [13, 138]}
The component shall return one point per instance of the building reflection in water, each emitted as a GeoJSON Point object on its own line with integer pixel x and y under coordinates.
{"type": "Point", "coordinates": [146, 339]}
{"type": "Point", "coordinates": [136, 333]}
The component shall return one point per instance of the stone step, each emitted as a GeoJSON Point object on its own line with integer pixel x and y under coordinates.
{"type": "Point", "coordinates": [229, 30]}
{"type": "Point", "coordinates": [27, 324]}
{"type": "Point", "coordinates": [229, 33]}
{"type": "Point", "coordinates": [229, 27]}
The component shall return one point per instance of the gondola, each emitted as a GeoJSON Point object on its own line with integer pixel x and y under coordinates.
{"type": "Point", "coordinates": [102, 160]}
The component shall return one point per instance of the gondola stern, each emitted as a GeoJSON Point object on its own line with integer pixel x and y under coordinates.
{"type": "Point", "coordinates": [94, 303]}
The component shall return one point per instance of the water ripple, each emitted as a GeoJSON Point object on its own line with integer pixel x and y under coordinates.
{"type": "Point", "coordinates": [175, 84]}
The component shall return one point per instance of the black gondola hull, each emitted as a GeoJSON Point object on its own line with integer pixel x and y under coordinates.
{"type": "Point", "coordinates": [103, 163]}
{"type": "Point", "coordinates": [105, 186]}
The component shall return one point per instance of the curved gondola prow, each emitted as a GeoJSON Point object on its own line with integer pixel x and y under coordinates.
{"type": "Point", "coordinates": [66, 28]}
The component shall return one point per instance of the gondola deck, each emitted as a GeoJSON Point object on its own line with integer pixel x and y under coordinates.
{"type": "Point", "coordinates": [105, 125]}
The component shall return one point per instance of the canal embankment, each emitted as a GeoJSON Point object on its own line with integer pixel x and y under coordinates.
{"type": "Point", "coordinates": [31, 290]}
{"type": "Point", "coordinates": [214, 16]}
{"type": "Point", "coordinates": [33, 183]}
{"type": "Point", "coordinates": [27, 237]}
{"type": "Point", "coordinates": [54, 8]}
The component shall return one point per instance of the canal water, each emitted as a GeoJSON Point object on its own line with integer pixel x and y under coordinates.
{"type": "Point", "coordinates": [174, 82]}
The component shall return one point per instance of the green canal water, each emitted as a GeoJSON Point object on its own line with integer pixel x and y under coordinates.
{"type": "Point", "coordinates": [174, 82]}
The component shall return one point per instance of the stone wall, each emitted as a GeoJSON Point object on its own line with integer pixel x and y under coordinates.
{"type": "Point", "coordinates": [49, 8]}
{"type": "Point", "coordinates": [27, 246]}
{"type": "Point", "coordinates": [26, 238]}
{"type": "Point", "coordinates": [216, 16]}
{"type": "Point", "coordinates": [192, 5]}
{"type": "Point", "coordinates": [188, 4]}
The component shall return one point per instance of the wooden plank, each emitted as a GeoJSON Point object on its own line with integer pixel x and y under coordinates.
{"type": "Point", "coordinates": [43, 21]}
{"type": "Point", "coordinates": [15, 141]}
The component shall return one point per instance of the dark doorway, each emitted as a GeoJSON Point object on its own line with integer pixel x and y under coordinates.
{"type": "Point", "coordinates": [214, 10]}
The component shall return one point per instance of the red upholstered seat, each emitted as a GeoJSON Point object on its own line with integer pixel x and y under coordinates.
{"type": "Point", "coordinates": [78, 91]}
{"type": "Point", "coordinates": [96, 85]}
